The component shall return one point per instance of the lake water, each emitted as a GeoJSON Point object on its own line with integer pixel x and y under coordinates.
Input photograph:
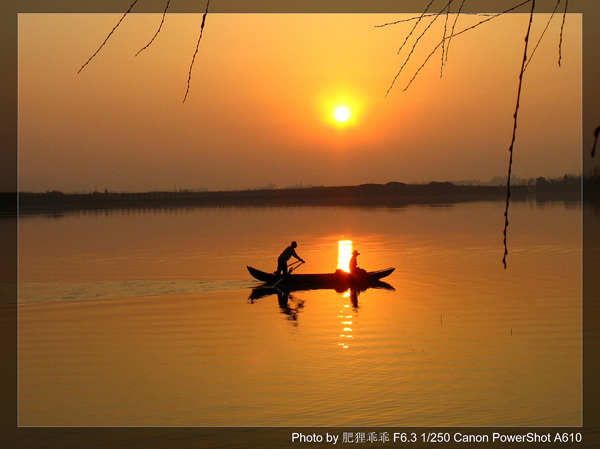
{"type": "Point", "coordinates": [144, 318]}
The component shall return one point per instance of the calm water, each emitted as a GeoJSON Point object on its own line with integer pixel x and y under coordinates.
{"type": "Point", "coordinates": [144, 318]}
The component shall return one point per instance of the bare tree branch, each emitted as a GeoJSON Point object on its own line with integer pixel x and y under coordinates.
{"type": "Point", "coordinates": [449, 37]}
{"type": "Point", "coordinates": [444, 40]}
{"type": "Point", "coordinates": [452, 30]}
{"type": "Point", "coordinates": [196, 52]}
{"type": "Point", "coordinates": [542, 35]}
{"type": "Point", "coordinates": [418, 19]}
{"type": "Point", "coordinates": [596, 132]}
{"type": "Point", "coordinates": [423, 16]}
{"type": "Point", "coordinates": [157, 31]}
{"type": "Point", "coordinates": [512, 144]}
{"type": "Point", "coordinates": [415, 46]}
{"type": "Point", "coordinates": [416, 24]}
{"type": "Point", "coordinates": [108, 37]}
{"type": "Point", "coordinates": [562, 27]}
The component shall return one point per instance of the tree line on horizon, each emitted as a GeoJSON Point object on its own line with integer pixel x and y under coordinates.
{"type": "Point", "coordinates": [497, 181]}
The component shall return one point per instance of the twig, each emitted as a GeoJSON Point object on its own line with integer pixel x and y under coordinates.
{"type": "Point", "coordinates": [561, 32]}
{"type": "Point", "coordinates": [157, 31]}
{"type": "Point", "coordinates": [424, 31]}
{"type": "Point", "coordinates": [108, 37]}
{"type": "Point", "coordinates": [196, 52]}
{"type": "Point", "coordinates": [542, 35]}
{"type": "Point", "coordinates": [423, 16]}
{"type": "Point", "coordinates": [452, 30]}
{"type": "Point", "coordinates": [512, 144]}
{"type": "Point", "coordinates": [444, 45]}
{"type": "Point", "coordinates": [418, 19]}
{"type": "Point", "coordinates": [449, 37]}
{"type": "Point", "coordinates": [415, 46]}
{"type": "Point", "coordinates": [416, 24]}
{"type": "Point", "coordinates": [596, 132]}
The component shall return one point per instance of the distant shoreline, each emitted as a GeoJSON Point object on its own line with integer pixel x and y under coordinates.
{"type": "Point", "coordinates": [393, 194]}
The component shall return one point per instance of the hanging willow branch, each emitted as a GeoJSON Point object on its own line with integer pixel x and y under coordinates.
{"type": "Point", "coordinates": [196, 52]}
{"type": "Point", "coordinates": [542, 35]}
{"type": "Point", "coordinates": [452, 30]}
{"type": "Point", "coordinates": [449, 37]}
{"type": "Point", "coordinates": [418, 19]}
{"type": "Point", "coordinates": [512, 143]}
{"type": "Point", "coordinates": [562, 27]}
{"type": "Point", "coordinates": [153, 38]}
{"type": "Point", "coordinates": [157, 31]}
{"type": "Point", "coordinates": [445, 32]}
{"type": "Point", "coordinates": [423, 16]}
{"type": "Point", "coordinates": [108, 37]}
{"type": "Point", "coordinates": [445, 43]}
{"type": "Point", "coordinates": [416, 43]}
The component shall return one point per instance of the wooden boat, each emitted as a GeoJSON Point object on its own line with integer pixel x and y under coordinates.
{"type": "Point", "coordinates": [324, 280]}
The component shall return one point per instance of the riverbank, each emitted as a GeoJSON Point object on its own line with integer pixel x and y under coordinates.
{"type": "Point", "coordinates": [393, 194]}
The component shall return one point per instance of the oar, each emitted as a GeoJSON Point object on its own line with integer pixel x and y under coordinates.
{"type": "Point", "coordinates": [291, 267]}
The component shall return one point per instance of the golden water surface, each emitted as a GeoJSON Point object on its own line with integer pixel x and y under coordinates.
{"type": "Point", "coordinates": [147, 318]}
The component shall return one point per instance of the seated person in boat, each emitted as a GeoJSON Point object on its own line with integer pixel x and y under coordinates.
{"type": "Point", "coordinates": [282, 261]}
{"type": "Point", "coordinates": [354, 268]}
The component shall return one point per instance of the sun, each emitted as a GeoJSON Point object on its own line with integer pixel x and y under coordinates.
{"type": "Point", "coordinates": [341, 114]}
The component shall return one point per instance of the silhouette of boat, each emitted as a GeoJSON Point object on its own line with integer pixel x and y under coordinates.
{"type": "Point", "coordinates": [340, 280]}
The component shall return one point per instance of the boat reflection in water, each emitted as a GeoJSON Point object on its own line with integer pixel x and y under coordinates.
{"type": "Point", "coordinates": [291, 305]}
{"type": "Point", "coordinates": [285, 291]}
{"type": "Point", "coordinates": [288, 303]}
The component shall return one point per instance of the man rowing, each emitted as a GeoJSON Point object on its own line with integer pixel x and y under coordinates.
{"type": "Point", "coordinates": [282, 260]}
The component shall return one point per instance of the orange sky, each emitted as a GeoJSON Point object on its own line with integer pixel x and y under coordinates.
{"type": "Point", "coordinates": [262, 95]}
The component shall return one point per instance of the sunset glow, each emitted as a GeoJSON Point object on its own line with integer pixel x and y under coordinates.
{"type": "Point", "coordinates": [276, 93]}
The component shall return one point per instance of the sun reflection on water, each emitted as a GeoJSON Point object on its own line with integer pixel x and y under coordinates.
{"type": "Point", "coordinates": [346, 318]}
{"type": "Point", "coordinates": [344, 255]}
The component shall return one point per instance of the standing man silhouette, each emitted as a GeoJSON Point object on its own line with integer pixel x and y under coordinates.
{"type": "Point", "coordinates": [282, 260]}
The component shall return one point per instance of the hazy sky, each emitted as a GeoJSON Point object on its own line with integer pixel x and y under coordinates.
{"type": "Point", "coordinates": [263, 91]}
